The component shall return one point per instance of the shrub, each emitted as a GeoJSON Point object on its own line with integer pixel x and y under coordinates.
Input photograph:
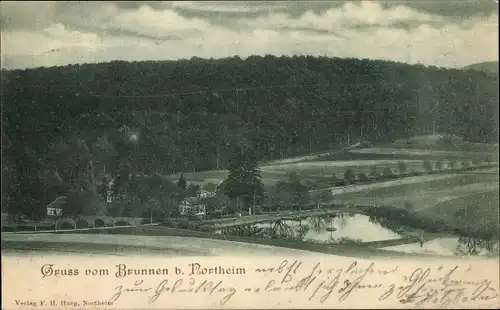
{"type": "Point", "coordinates": [99, 223]}
{"type": "Point", "coordinates": [81, 223]}
{"type": "Point", "coordinates": [350, 176]}
{"type": "Point", "coordinates": [402, 167]}
{"type": "Point", "coordinates": [387, 172]}
{"type": "Point", "coordinates": [184, 224]}
{"type": "Point", "coordinates": [427, 165]}
{"type": "Point", "coordinates": [122, 223]}
{"type": "Point", "coordinates": [340, 183]}
{"type": "Point", "coordinates": [346, 241]}
{"type": "Point", "coordinates": [374, 173]}
{"type": "Point", "coordinates": [439, 165]}
{"type": "Point", "coordinates": [8, 229]}
{"type": "Point", "coordinates": [65, 225]}
{"type": "Point", "coordinates": [25, 228]}
{"type": "Point", "coordinates": [145, 221]}
{"type": "Point", "coordinates": [452, 164]}
{"type": "Point", "coordinates": [334, 179]}
{"type": "Point", "coordinates": [362, 177]}
{"type": "Point", "coordinates": [46, 227]}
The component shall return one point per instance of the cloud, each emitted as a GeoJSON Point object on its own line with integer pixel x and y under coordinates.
{"type": "Point", "coordinates": [97, 32]}
{"type": "Point", "coordinates": [228, 6]}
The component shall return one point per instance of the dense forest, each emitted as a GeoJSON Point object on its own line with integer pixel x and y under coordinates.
{"type": "Point", "coordinates": [174, 116]}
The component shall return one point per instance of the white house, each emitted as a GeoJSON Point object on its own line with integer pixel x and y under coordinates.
{"type": "Point", "coordinates": [54, 211]}
{"type": "Point", "coordinates": [205, 194]}
{"type": "Point", "coordinates": [186, 207]}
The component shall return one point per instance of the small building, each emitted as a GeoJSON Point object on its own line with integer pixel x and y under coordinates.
{"type": "Point", "coordinates": [184, 207]}
{"type": "Point", "coordinates": [188, 208]}
{"type": "Point", "coordinates": [199, 209]}
{"type": "Point", "coordinates": [205, 194]}
{"type": "Point", "coordinates": [51, 211]}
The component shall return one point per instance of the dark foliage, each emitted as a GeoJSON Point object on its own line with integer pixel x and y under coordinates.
{"type": "Point", "coordinates": [439, 165]}
{"type": "Point", "coordinates": [350, 176]}
{"type": "Point", "coordinates": [387, 172]}
{"type": "Point", "coordinates": [122, 223]}
{"type": "Point", "coordinates": [362, 177]}
{"type": "Point", "coordinates": [402, 168]}
{"type": "Point", "coordinates": [182, 182]}
{"type": "Point", "coordinates": [81, 223]}
{"type": "Point", "coordinates": [244, 179]}
{"type": "Point", "coordinates": [427, 165]}
{"type": "Point", "coordinates": [99, 223]}
{"type": "Point", "coordinates": [65, 225]}
{"type": "Point", "coordinates": [278, 106]}
{"type": "Point", "coordinates": [374, 173]}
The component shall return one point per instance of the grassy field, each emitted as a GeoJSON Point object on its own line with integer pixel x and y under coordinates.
{"type": "Point", "coordinates": [361, 157]}
{"type": "Point", "coordinates": [311, 171]}
{"type": "Point", "coordinates": [419, 193]}
{"type": "Point", "coordinates": [439, 199]}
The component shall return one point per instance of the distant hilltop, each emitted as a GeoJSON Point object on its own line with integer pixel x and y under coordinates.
{"type": "Point", "coordinates": [487, 67]}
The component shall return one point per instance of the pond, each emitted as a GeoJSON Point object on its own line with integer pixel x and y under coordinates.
{"type": "Point", "coordinates": [358, 229]}
{"type": "Point", "coordinates": [449, 246]}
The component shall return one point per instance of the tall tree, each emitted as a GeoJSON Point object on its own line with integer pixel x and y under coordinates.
{"type": "Point", "coordinates": [181, 183]}
{"type": "Point", "coordinates": [244, 179]}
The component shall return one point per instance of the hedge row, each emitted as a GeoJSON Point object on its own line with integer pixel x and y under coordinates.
{"type": "Point", "coordinates": [361, 178]}
{"type": "Point", "coordinates": [63, 224]}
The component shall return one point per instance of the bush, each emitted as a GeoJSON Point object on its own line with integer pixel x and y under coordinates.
{"type": "Point", "coordinates": [334, 179]}
{"type": "Point", "coordinates": [122, 223]}
{"type": "Point", "coordinates": [81, 223]}
{"type": "Point", "coordinates": [184, 224]}
{"type": "Point", "coordinates": [65, 225]}
{"type": "Point", "coordinates": [439, 165]}
{"type": "Point", "coordinates": [362, 177]}
{"type": "Point", "coordinates": [374, 173]}
{"type": "Point", "coordinates": [25, 228]}
{"type": "Point", "coordinates": [99, 223]}
{"type": "Point", "coordinates": [145, 221]}
{"type": "Point", "coordinates": [46, 227]}
{"type": "Point", "coordinates": [387, 172]}
{"type": "Point", "coordinates": [402, 167]}
{"type": "Point", "coordinates": [340, 183]}
{"type": "Point", "coordinates": [8, 229]}
{"type": "Point", "coordinates": [350, 176]}
{"type": "Point", "coordinates": [452, 164]}
{"type": "Point", "coordinates": [427, 165]}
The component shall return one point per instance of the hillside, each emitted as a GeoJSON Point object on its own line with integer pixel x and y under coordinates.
{"type": "Point", "coordinates": [186, 115]}
{"type": "Point", "coordinates": [487, 67]}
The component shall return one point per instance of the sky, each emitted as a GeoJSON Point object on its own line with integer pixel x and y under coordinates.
{"type": "Point", "coordinates": [443, 33]}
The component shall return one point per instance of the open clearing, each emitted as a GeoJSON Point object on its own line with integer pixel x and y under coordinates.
{"type": "Point", "coordinates": [421, 152]}
{"type": "Point", "coordinates": [439, 198]}
{"type": "Point", "coordinates": [312, 170]}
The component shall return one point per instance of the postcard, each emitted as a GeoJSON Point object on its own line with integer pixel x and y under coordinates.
{"type": "Point", "coordinates": [250, 155]}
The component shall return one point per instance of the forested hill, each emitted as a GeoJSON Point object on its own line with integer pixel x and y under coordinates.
{"type": "Point", "coordinates": [490, 67]}
{"type": "Point", "coordinates": [189, 112]}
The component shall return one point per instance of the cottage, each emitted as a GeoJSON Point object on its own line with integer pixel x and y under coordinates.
{"type": "Point", "coordinates": [205, 194]}
{"type": "Point", "coordinates": [54, 211]}
{"type": "Point", "coordinates": [186, 207]}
